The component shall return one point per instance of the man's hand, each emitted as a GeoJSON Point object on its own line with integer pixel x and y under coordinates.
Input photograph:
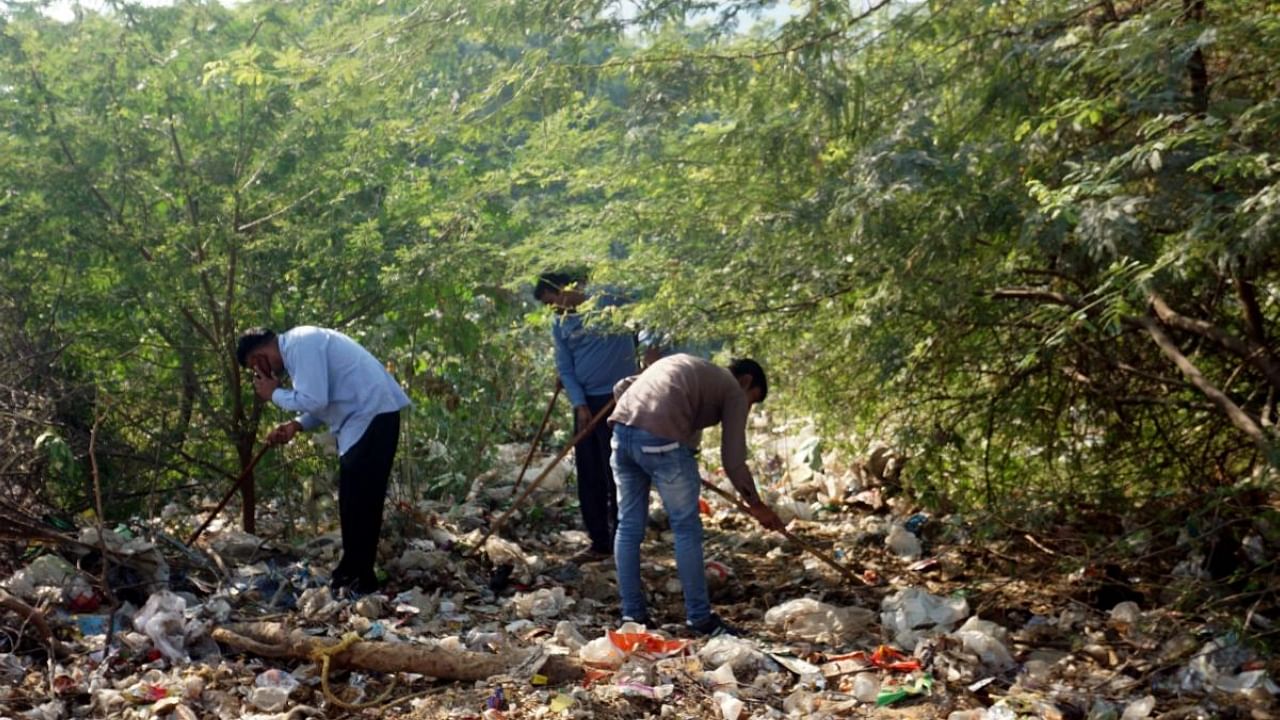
{"type": "Point", "coordinates": [264, 385]}
{"type": "Point", "coordinates": [283, 433]}
{"type": "Point", "coordinates": [582, 414]}
{"type": "Point", "coordinates": [765, 515]}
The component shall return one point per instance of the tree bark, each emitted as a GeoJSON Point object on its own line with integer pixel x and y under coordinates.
{"type": "Point", "coordinates": [1197, 68]}
{"type": "Point", "coordinates": [1257, 355]}
{"type": "Point", "coordinates": [268, 639]}
{"type": "Point", "coordinates": [1242, 420]}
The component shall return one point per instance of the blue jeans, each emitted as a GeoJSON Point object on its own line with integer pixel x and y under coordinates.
{"type": "Point", "coordinates": [641, 459]}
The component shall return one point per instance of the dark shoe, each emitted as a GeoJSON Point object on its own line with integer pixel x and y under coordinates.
{"type": "Point", "coordinates": [589, 555]}
{"type": "Point", "coordinates": [713, 626]}
{"type": "Point", "coordinates": [340, 580]}
{"type": "Point", "coordinates": [642, 619]}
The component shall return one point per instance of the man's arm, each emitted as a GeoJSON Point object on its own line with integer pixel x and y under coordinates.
{"type": "Point", "coordinates": [310, 379]}
{"type": "Point", "coordinates": [733, 455]}
{"type": "Point", "coordinates": [568, 377]}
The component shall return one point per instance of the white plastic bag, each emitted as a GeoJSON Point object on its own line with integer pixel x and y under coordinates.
{"type": "Point", "coordinates": [738, 653]}
{"type": "Point", "coordinates": [602, 652]}
{"type": "Point", "coordinates": [808, 619]}
{"type": "Point", "coordinates": [986, 640]}
{"type": "Point", "coordinates": [161, 619]}
{"type": "Point", "coordinates": [913, 613]}
{"type": "Point", "coordinates": [542, 603]}
{"type": "Point", "coordinates": [904, 543]}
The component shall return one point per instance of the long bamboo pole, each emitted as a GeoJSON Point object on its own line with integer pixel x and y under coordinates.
{"type": "Point", "coordinates": [244, 475]}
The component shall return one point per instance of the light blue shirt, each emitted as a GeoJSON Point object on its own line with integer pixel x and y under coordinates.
{"type": "Point", "coordinates": [590, 361]}
{"type": "Point", "coordinates": [336, 382]}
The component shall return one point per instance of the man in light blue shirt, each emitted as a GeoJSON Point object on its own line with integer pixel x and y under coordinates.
{"type": "Point", "coordinates": [336, 382]}
{"type": "Point", "coordinates": [589, 361]}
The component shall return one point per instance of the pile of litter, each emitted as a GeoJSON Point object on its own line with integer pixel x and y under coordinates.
{"type": "Point", "coordinates": [946, 626]}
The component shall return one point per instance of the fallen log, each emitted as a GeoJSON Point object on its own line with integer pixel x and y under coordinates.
{"type": "Point", "coordinates": [274, 640]}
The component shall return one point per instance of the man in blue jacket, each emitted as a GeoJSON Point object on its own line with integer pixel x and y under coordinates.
{"type": "Point", "coordinates": [589, 361]}
{"type": "Point", "coordinates": [336, 382]}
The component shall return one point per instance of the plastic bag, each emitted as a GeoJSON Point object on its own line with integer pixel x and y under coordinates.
{"type": "Point", "coordinates": [730, 706]}
{"type": "Point", "coordinates": [543, 603]}
{"type": "Point", "coordinates": [161, 620]}
{"type": "Point", "coordinates": [567, 635]}
{"type": "Point", "coordinates": [904, 543]}
{"type": "Point", "coordinates": [738, 653]}
{"type": "Point", "coordinates": [866, 687]}
{"type": "Point", "coordinates": [601, 652]}
{"type": "Point", "coordinates": [505, 552]}
{"type": "Point", "coordinates": [986, 640]}
{"type": "Point", "coordinates": [1139, 709]}
{"type": "Point", "coordinates": [913, 613]}
{"type": "Point", "coordinates": [808, 619]}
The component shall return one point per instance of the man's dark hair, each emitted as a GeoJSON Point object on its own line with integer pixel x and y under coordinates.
{"type": "Point", "coordinates": [747, 366]}
{"type": "Point", "coordinates": [251, 340]}
{"type": "Point", "coordinates": [554, 282]}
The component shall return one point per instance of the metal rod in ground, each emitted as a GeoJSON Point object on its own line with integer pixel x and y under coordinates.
{"type": "Point", "coordinates": [533, 447]}
{"type": "Point", "coordinates": [244, 475]}
{"type": "Point", "coordinates": [497, 524]}
{"type": "Point", "coordinates": [791, 536]}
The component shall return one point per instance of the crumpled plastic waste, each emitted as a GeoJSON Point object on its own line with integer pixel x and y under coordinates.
{"type": "Point", "coordinates": [652, 644]}
{"type": "Point", "coordinates": [1203, 673]}
{"type": "Point", "coordinates": [318, 605]}
{"type": "Point", "coordinates": [12, 667]}
{"type": "Point", "coordinates": [1139, 709]}
{"type": "Point", "coordinates": [893, 692]}
{"type": "Point", "coordinates": [730, 706]}
{"type": "Point", "coordinates": [601, 652]}
{"type": "Point", "coordinates": [161, 619]}
{"type": "Point", "coordinates": [542, 603]}
{"type": "Point", "coordinates": [567, 635]}
{"type": "Point", "coordinates": [46, 571]}
{"type": "Point", "coordinates": [866, 687]}
{"type": "Point", "coordinates": [913, 613]}
{"type": "Point", "coordinates": [738, 653]}
{"type": "Point", "coordinates": [504, 552]}
{"type": "Point", "coordinates": [904, 543]}
{"type": "Point", "coordinates": [988, 641]}
{"type": "Point", "coordinates": [612, 650]}
{"type": "Point", "coordinates": [236, 545]}
{"type": "Point", "coordinates": [415, 602]}
{"type": "Point", "coordinates": [808, 619]}
{"type": "Point", "coordinates": [1126, 613]}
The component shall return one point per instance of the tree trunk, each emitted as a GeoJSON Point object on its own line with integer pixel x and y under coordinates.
{"type": "Point", "coordinates": [268, 639]}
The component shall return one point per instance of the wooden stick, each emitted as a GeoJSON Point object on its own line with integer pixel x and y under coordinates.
{"type": "Point", "coordinates": [497, 525]}
{"type": "Point", "coordinates": [533, 447]}
{"type": "Point", "coordinates": [36, 619]}
{"type": "Point", "coordinates": [843, 570]}
{"type": "Point", "coordinates": [244, 475]}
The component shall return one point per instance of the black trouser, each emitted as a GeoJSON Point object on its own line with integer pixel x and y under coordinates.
{"type": "Point", "coordinates": [362, 491]}
{"type": "Point", "coordinates": [596, 491]}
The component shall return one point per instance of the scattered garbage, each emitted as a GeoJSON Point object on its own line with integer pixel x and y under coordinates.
{"type": "Point", "coordinates": [912, 613]}
{"type": "Point", "coordinates": [812, 652]}
{"type": "Point", "coordinates": [808, 619]}
{"type": "Point", "coordinates": [1211, 669]}
{"type": "Point", "coordinates": [891, 693]}
{"type": "Point", "coordinates": [988, 641]}
{"type": "Point", "coordinates": [542, 603]}
{"type": "Point", "coordinates": [161, 619]}
{"type": "Point", "coordinates": [740, 654]}
{"type": "Point", "coordinates": [904, 543]}
{"type": "Point", "coordinates": [1139, 709]}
